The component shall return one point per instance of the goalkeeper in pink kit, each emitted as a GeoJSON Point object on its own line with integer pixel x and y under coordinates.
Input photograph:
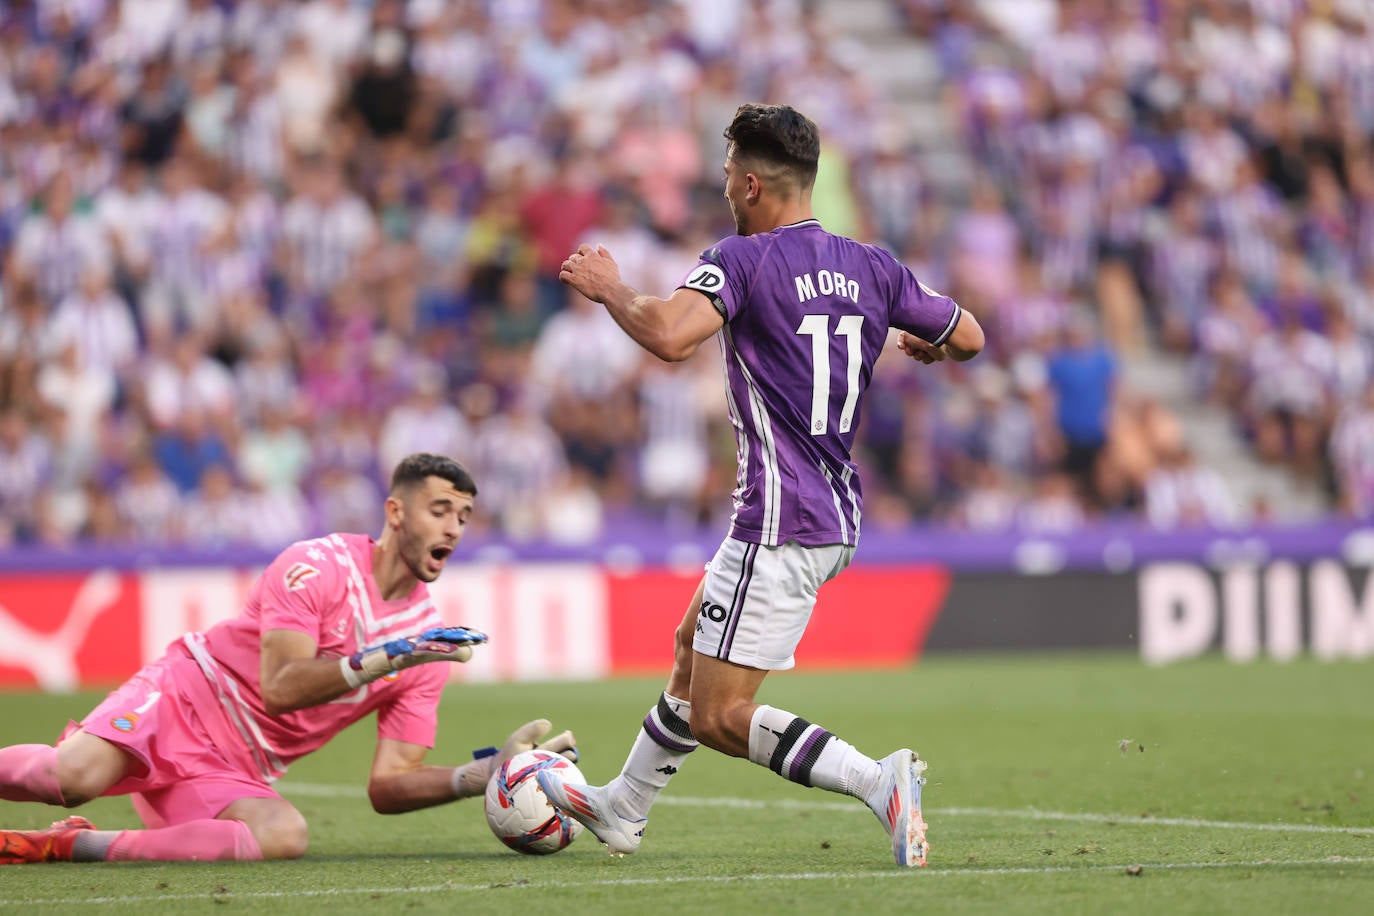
{"type": "Point", "coordinates": [336, 628]}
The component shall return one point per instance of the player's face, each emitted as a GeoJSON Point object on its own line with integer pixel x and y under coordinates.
{"type": "Point", "coordinates": [736, 190]}
{"type": "Point", "coordinates": [432, 520]}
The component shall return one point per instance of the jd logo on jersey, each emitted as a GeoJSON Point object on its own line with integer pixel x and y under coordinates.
{"type": "Point", "coordinates": [708, 278]}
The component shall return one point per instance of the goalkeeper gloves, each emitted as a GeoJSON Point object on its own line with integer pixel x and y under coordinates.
{"type": "Point", "coordinates": [451, 644]}
{"type": "Point", "coordinates": [471, 778]}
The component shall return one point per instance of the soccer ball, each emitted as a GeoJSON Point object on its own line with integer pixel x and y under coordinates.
{"type": "Point", "coordinates": [520, 815]}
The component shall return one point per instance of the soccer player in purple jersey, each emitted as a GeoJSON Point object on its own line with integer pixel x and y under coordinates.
{"type": "Point", "coordinates": [801, 316]}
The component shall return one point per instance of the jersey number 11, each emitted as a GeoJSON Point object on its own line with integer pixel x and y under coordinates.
{"type": "Point", "coordinates": [817, 327]}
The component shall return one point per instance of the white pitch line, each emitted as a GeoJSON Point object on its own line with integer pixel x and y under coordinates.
{"type": "Point", "coordinates": [1125, 820]}
{"type": "Point", "coordinates": [907, 874]}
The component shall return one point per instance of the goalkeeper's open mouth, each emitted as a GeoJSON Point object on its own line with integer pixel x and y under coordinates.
{"type": "Point", "coordinates": [439, 554]}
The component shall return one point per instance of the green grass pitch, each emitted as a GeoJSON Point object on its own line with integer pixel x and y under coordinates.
{"type": "Point", "coordinates": [1241, 789]}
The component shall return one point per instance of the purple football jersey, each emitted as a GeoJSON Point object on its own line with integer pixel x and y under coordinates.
{"type": "Point", "coordinates": [806, 316]}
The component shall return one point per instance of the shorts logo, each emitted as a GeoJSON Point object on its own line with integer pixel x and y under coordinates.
{"type": "Point", "coordinates": [298, 575]}
{"type": "Point", "coordinates": [713, 611]}
{"type": "Point", "coordinates": [124, 723]}
{"type": "Point", "coordinates": [707, 278]}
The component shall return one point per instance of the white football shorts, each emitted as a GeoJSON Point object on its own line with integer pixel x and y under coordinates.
{"type": "Point", "coordinates": [757, 600]}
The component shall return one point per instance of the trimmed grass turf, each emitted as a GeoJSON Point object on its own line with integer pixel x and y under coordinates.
{"type": "Point", "coordinates": [1033, 805]}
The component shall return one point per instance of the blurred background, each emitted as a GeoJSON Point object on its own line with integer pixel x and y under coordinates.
{"type": "Point", "coordinates": [254, 252]}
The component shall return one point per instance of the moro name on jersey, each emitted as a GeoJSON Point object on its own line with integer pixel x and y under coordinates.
{"type": "Point", "coordinates": [826, 283]}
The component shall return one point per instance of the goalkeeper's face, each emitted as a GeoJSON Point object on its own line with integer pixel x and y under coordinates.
{"type": "Point", "coordinates": [432, 518]}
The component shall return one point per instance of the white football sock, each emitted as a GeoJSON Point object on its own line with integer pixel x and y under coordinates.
{"type": "Point", "coordinates": [661, 746]}
{"type": "Point", "coordinates": [808, 754]}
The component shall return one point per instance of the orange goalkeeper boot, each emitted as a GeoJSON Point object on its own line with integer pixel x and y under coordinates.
{"type": "Point", "coordinates": [19, 847]}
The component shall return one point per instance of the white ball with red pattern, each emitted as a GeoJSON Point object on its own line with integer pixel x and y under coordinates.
{"type": "Point", "coordinates": [520, 815]}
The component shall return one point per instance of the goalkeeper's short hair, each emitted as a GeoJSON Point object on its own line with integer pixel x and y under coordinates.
{"type": "Point", "coordinates": [413, 470]}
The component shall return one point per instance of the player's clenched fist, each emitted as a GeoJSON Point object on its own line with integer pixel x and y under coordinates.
{"type": "Point", "coordinates": [448, 644]}
{"type": "Point", "coordinates": [592, 272]}
{"type": "Point", "coordinates": [919, 349]}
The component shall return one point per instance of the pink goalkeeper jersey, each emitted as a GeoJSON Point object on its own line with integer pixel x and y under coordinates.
{"type": "Point", "coordinates": [325, 589]}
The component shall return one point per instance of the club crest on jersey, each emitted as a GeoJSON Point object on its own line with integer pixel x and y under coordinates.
{"type": "Point", "coordinates": [125, 723]}
{"type": "Point", "coordinates": [299, 574]}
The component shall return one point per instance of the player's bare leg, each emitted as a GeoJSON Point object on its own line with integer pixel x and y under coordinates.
{"type": "Point", "coordinates": [617, 812]}
{"type": "Point", "coordinates": [728, 720]}
{"type": "Point", "coordinates": [723, 698]}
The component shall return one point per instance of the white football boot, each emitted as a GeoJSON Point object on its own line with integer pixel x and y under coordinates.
{"type": "Point", "coordinates": [897, 803]}
{"type": "Point", "coordinates": [591, 805]}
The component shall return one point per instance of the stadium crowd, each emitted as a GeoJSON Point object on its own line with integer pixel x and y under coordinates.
{"type": "Point", "coordinates": [256, 251]}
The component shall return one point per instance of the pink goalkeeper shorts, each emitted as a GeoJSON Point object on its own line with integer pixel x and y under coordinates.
{"type": "Point", "coordinates": [187, 771]}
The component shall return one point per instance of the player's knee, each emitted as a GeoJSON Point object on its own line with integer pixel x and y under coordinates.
{"type": "Point", "coordinates": [86, 767]}
{"type": "Point", "coordinates": [80, 786]}
{"type": "Point", "coordinates": [74, 796]}
{"type": "Point", "coordinates": [285, 836]}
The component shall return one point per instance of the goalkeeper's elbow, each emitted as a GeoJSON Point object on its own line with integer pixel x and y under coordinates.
{"type": "Point", "coordinates": [384, 801]}
{"type": "Point", "coordinates": [278, 700]}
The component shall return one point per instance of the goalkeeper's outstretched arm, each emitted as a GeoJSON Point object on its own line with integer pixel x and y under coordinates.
{"type": "Point", "coordinates": [401, 781]}
{"type": "Point", "coordinates": [293, 676]}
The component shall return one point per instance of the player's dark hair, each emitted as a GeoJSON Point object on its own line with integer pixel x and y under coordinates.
{"type": "Point", "coordinates": [413, 470]}
{"type": "Point", "coordinates": [778, 135]}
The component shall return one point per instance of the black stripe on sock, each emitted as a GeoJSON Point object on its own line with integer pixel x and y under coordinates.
{"type": "Point", "coordinates": [809, 758]}
{"type": "Point", "coordinates": [672, 721]}
{"type": "Point", "coordinates": [790, 736]}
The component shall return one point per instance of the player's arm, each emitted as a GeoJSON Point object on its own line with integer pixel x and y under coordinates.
{"type": "Point", "coordinates": [292, 676]}
{"type": "Point", "coordinates": [671, 328]}
{"type": "Point", "coordinates": [401, 781]}
{"type": "Point", "coordinates": [964, 342]}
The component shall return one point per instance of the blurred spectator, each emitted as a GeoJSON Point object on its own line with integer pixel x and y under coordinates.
{"type": "Point", "coordinates": [520, 461]}
{"type": "Point", "coordinates": [97, 324]}
{"type": "Point", "coordinates": [556, 216]}
{"type": "Point", "coordinates": [148, 502]}
{"type": "Point", "coordinates": [54, 246]}
{"type": "Point", "coordinates": [275, 515]}
{"type": "Point", "coordinates": [182, 380]}
{"type": "Point", "coordinates": [1288, 396]}
{"type": "Point", "coordinates": [1180, 493]}
{"type": "Point", "coordinates": [423, 422]}
{"type": "Point", "coordinates": [1082, 374]}
{"type": "Point", "coordinates": [344, 500]}
{"type": "Point", "coordinates": [325, 229]}
{"type": "Point", "coordinates": [185, 452]}
{"type": "Point", "coordinates": [216, 513]}
{"type": "Point", "coordinates": [276, 454]}
{"type": "Point", "coordinates": [675, 456]}
{"type": "Point", "coordinates": [1352, 456]}
{"type": "Point", "coordinates": [26, 466]}
{"type": "Point", "coordinates": [78, 394]}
